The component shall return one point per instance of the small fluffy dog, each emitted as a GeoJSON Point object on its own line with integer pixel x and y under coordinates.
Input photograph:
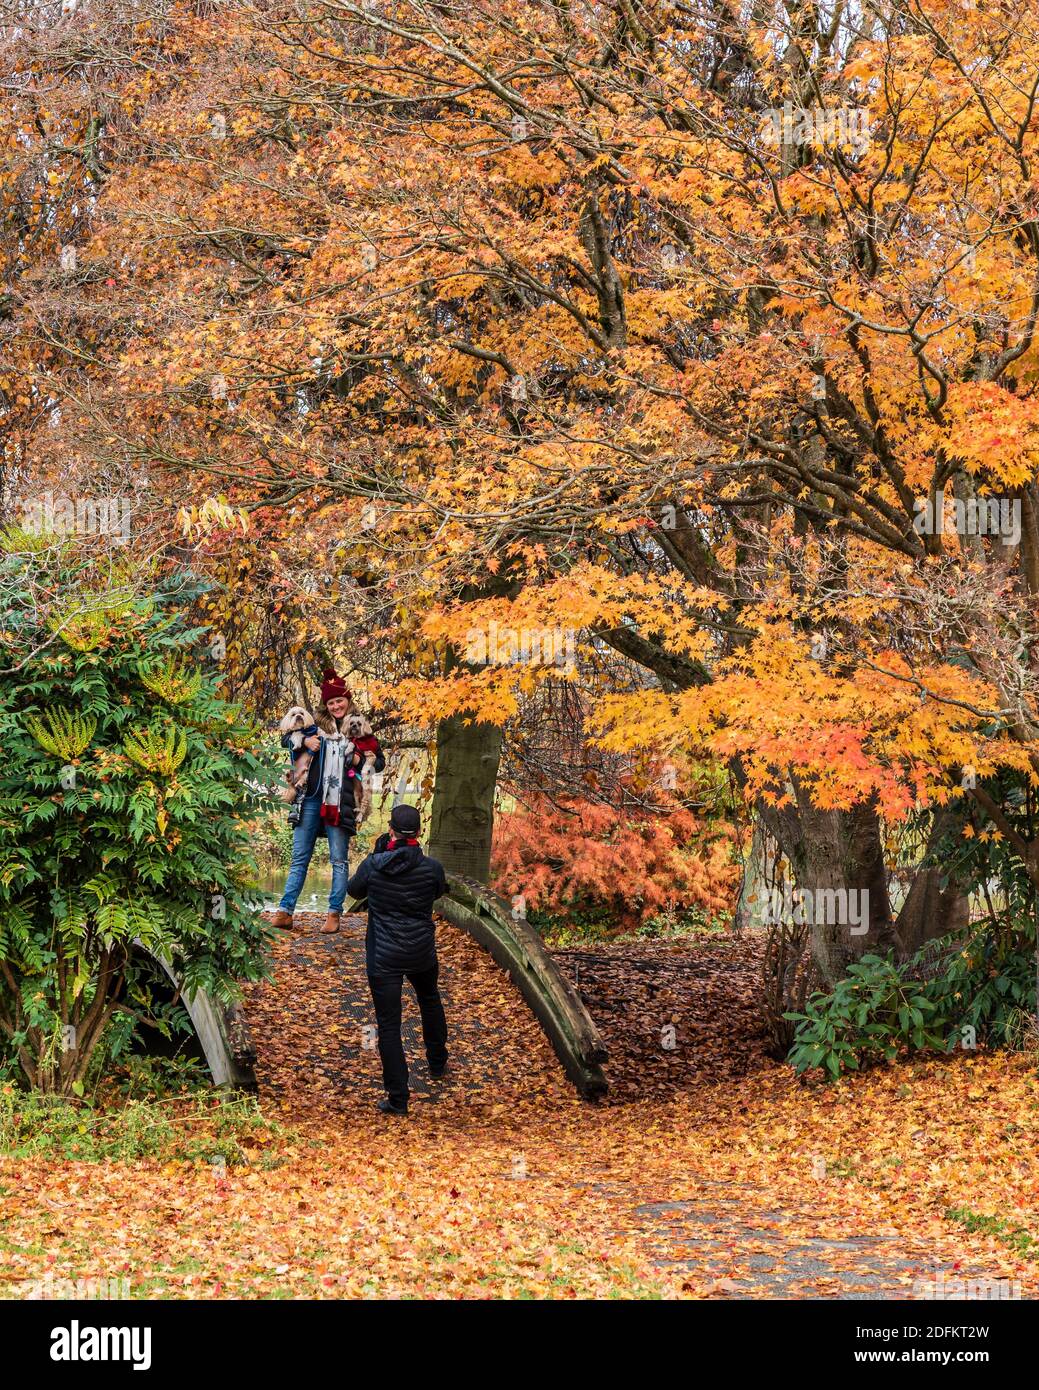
{"type": "Point", "coordinates": [297, 725]}
{"type": "Point", "coordinates": [360, 733]}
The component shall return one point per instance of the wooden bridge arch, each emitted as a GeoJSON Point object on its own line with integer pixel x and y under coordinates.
{"type": "Point", "coordinates": [513, 944]}
{"type": "Point", "coordinates": [517, 948]}
{"type": "Point", "coordinates": [221, 1031]}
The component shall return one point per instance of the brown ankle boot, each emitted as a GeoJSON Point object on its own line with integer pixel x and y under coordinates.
{"type": "Point", "coordinates": [331, 923]}
{"type": "Point", "coordinates": [282, 919]}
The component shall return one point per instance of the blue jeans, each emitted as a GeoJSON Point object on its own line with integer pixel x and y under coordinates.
{"type": "Point", "coordinates": [304, 838]}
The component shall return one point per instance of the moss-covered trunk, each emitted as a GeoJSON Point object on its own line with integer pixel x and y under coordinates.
{"type": "Point", "coordinates": [462, 820]}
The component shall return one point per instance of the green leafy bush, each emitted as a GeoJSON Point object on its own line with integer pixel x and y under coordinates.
{"type": "Point", "coordinates": [985, 987]}
{"type": "Point", "coordinates": [125, 809]}
{"type": "Point", "coordinates": [868, 1017]}
{"type": "Point", "coordinates": [988, 985]}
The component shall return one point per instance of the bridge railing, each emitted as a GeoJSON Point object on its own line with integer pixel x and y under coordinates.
{"type": "Point", "coordinates": [516, 947]}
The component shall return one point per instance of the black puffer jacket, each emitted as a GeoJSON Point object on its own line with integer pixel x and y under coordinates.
{"type": "Point", "coordinates": [401, 886]}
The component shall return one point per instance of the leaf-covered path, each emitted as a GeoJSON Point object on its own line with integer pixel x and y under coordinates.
{"type": "Point", "coordinates": [710, 1173]}
{"type": "Point", "coordinates": [678, 1027]}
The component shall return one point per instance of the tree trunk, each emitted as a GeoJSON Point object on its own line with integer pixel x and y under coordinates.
{"type": "Point", "coordinates": [929, 911]}
{"type": "Point", "coordinates": [751, 904]}
{"type": "Point", "coordinates": [468, 754]}
{"type": "Point", "coordinates": [462, 819]}
{"type": "Point", "coordinates": [837, 862]}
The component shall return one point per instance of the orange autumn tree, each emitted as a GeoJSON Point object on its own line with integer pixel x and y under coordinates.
{"type": "Point", "coordinates": [678, 328]}
{"type": "Point", "coordinates": [581, 857]}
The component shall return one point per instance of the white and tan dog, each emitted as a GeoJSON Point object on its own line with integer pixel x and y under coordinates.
{"type": "Point", "coordinates": [360, 733]}
{"type": "Point", "coordinates": [298, 724]}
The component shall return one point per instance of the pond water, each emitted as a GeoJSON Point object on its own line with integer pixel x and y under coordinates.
{"type": "Point", "coordinates": [314, 897]}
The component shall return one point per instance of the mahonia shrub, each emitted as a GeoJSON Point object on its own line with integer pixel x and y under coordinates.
{"type": "Point", "coordinates": [581, 859]}
{"type": "Point", "coordinates": [125, 794]}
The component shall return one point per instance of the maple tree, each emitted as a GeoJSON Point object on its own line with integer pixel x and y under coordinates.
{"type": "Point", "coordinates": [656, 325]}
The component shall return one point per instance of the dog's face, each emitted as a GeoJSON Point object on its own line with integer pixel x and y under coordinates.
{"type": "Point", "coordinates": [357, 726]}
{"type": "Point", "coordinates": [297, 718]}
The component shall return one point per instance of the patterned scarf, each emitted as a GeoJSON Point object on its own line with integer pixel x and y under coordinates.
{"type": "Point", "coordinates": [337, 750]}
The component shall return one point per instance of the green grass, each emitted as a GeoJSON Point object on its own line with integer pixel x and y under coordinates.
{"type": "Point", "coordinates": [1016, 1237]}
{"type": "Point", "coordinates": [192, 1128]}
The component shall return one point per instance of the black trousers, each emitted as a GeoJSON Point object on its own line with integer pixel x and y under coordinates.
{"type": "Point", "coordinates": [386, 995]}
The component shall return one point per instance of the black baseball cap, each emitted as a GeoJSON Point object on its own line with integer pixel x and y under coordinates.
{"type": "Point", "coordinates": [406, 819]}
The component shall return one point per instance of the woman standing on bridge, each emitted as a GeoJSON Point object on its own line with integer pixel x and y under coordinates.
{"type": "Point", "coordinates": [328, 802]}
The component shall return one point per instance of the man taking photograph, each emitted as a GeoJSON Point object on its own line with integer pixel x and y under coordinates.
{"type": "Point", "coordinates": [401, 885]}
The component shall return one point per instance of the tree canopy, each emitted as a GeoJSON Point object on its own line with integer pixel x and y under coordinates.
{"type": "Point", "coordinates": [703, 333]}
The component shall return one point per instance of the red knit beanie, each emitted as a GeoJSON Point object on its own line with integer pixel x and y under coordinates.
{"type": "Point", "coordinates": [333, 687]}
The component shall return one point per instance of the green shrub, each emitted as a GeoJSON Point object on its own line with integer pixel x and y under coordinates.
{"type": "Point", "coordinates": [868, 1017]}
{"type": "Point", "coordinates": [141, 1077]}
{"type": "Point", "coordinates": [693, 921]}
{"type": "Point", "coordinates": [880, 1009]}
{"type": "Point", "coordinates": [575, 924]}
{"type": "Point", "coordinates": [988, 985]}
{"type": "Point", "coordinates": [125, 810]}
{"type": "Point", "coordinates": [195, 1129]}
